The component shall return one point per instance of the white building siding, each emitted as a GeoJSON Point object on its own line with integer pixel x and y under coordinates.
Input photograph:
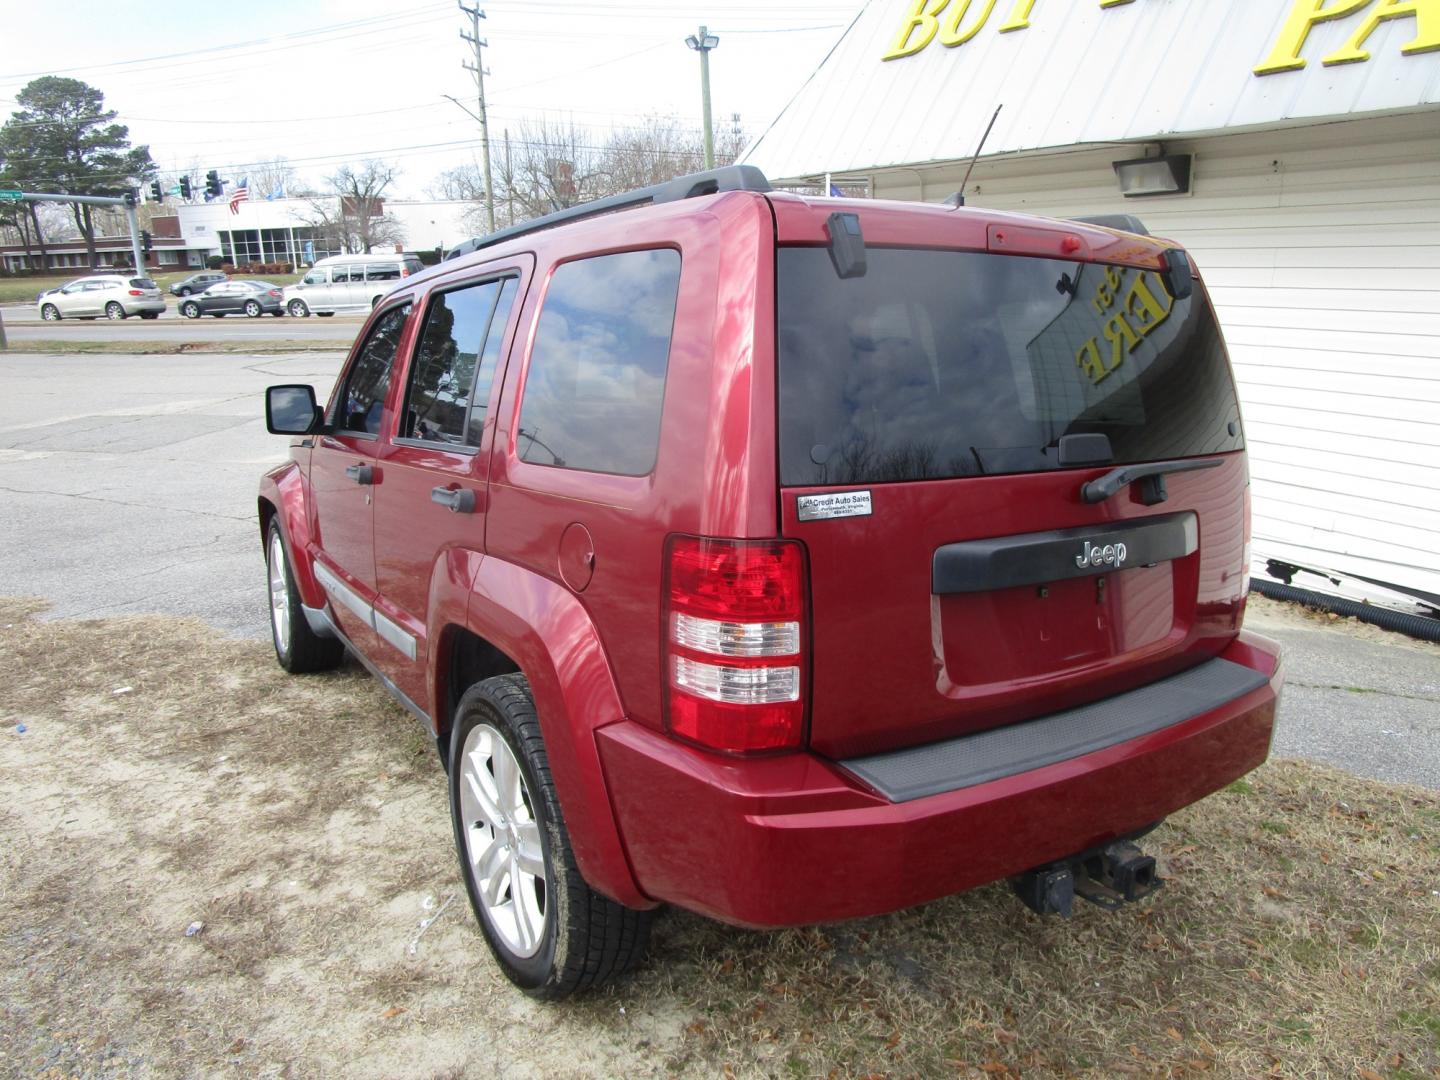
{"type": "Point", "coordinates": [1082, 74]}
{"type": "Point", "coordinates": [1321, 249]}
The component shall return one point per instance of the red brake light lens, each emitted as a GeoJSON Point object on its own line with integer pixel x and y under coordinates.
{"type": "Point", "coordinates": [737, 579]}
{"type": "Point", "coordinates": [734, 653]}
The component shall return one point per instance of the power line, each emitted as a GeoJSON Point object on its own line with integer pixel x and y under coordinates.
{"type": "Point", "coordinates": [407, 16]}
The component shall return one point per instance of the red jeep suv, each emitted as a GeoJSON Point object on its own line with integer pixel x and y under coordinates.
{"type": "Point", "coordinates": [785, 559]}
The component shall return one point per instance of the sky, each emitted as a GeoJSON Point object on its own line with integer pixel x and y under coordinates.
{"type": "Point", "coordinates": [331, 82]}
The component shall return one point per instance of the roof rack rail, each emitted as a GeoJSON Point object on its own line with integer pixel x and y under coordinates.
{"type": "Point", "coordinates": [1124, 222]}
{"type": "Point", "coordinates": [728, 178]}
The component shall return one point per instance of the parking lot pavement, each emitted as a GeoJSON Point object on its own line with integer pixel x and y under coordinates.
{"type": "Point", "coordinates": [129, 481]}
{"type": "Point", "coordinates": [129, 484]}
{"type": "Point", "coordinates": [1355, 696]}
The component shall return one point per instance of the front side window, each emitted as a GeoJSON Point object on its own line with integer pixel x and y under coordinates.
{"type": "Point", "coordinates": [596, 381]}
{"type": "Point", "coordinates": [359, 405]}
{"type": "Point", "coordinates": [455, 363]}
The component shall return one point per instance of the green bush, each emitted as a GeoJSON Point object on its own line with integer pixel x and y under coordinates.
{"type": "Point", "coordinates": [214, 262]}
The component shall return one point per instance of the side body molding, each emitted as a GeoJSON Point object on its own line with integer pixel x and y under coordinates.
{"type": "Point", "coordinates": [545, 629]}
{"type": "Point", "coordinates": [286, 488]}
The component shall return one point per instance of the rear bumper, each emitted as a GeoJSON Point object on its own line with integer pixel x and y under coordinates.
{"type": "Point", "coordinates": [790, 840]}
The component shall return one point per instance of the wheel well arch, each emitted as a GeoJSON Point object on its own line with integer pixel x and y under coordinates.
{"type": "Point", "coordinates": [266, 511]}
{"type": "Point", "coordinates": [463, 659]}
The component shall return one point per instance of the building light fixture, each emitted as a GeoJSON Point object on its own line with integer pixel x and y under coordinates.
{"type": "Point", "coordinates": [1168, 174]}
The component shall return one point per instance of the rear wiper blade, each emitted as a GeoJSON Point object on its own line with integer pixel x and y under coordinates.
{"type": "Point", "coordinates": [1152, 473]}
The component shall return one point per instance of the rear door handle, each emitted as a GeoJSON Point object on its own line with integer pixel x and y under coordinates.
{"type": "Point", "coordinates": [459, 500]}
{"type": "Point", "coordinates": [361, 474]}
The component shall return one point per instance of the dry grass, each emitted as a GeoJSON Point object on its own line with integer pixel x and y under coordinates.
{"type": "Point", "coordinates": [302, 821]}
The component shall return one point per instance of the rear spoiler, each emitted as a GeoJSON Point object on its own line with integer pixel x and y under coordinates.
{"type": "Point", "coordinates": [1124, 222]}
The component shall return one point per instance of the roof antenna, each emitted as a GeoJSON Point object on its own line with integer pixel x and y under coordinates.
{"type": "Point", "coordinates": [958, 199]}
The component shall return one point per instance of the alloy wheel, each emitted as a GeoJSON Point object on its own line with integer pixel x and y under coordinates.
{"type": "Point", "coordinates": [503, 841]}
{"type": "Point", "coordinates": [279, 594]}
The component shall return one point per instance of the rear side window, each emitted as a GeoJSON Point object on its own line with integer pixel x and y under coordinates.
{"type": "Point", "coordinates": [940, 364]}
{"type": "Point", "coordinates": [597, 373]}
{"type": "Point", "coordinates": [382, 272]}
{"type": "Point", "coordinates": [455, 363]}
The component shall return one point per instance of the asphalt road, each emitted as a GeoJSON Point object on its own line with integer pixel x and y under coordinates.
{"type": "Point", "coordinates": [23, 323]}
{"type": "Point", "coordinates": [128, 484]}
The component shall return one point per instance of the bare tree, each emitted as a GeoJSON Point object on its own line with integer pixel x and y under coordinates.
{"type": "Point", "coordinates": [351, 215]}
{"type": "Point", "coordinates": [651, 152]}
{"type": "Point", "coordinates": [547, 165]}
{"type": "Point", "coordinates": [276, 177]}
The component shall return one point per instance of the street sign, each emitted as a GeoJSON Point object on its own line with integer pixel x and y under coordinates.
{"type": "Point", "coordinates": [11, 196]}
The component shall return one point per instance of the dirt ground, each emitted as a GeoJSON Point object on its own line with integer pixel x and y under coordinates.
{"type": "Point", "coordinates": [169, 779]}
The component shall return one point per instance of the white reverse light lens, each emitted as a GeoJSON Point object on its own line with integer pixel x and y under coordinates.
{"type": "Point", "coordinates": [737, 686]}
{"type": "Point", "coordinates": [735, 638]}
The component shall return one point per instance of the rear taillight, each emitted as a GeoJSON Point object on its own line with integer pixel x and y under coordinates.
{"type": "Point", "coordinates": [273, 292]}
{"type": "Point", "coordinates": [136, 292]}
{"type": "Point", "coordinates": [734, 643]}
{"type": "Point", "coordinates": [404, 271]}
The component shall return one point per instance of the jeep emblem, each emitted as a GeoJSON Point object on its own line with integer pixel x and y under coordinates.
{"type": "Point", "coordinates": [1109, 555]}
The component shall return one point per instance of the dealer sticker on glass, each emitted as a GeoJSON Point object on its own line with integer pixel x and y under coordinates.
{"type": "Point", "coordinates": [841, 504]}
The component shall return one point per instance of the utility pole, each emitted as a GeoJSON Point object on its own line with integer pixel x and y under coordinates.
{"type": "Point", "coordinates": [702, 43]}
{"type": "Point", "coordinates": [478, 70]}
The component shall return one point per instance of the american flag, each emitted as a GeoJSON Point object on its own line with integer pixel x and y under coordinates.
{"type": "Point", "coordinates": [239, 195]}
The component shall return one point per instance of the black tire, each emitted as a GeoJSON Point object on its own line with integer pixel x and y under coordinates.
{"type": "Point", "coordinates": [587, 939]}
{"type": "Point", "coordinates": [115, 310]}
{"type": "Point", "coordinates": [149, 314]}
{"type": "Point", "coordinates": [50, 313]}
{"type": "Point", "coordinates": [217, 314]}
{"type": "Point", "coordinates": [298, 310]}
{"type": "Point", "coordinates": [185, 291]}
{"type": "Point", "coordinates": [324, 314]}
{"type": "Point", "coordinates": [252, 309]}
{"type": "Point", "coordinates": [190, 309]}
{"type": "Point", "coordinates": [297, 648]}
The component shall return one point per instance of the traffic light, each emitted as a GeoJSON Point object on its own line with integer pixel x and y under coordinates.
{"type": "Point", "coordinates": [155, 195]}
{"type": "Point", "coordinates": [213, 190]}
{"type": "Point", "coordinates": [185, 192]}
{"type": "Point", "coordinates": [146, 243]}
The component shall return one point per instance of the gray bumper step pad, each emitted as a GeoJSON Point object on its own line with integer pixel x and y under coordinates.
{"type": "Point", "coordinates": [920, 771]}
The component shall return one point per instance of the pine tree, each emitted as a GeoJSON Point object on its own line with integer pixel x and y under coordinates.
{"type": "Point", "coordinates": [63, 140]}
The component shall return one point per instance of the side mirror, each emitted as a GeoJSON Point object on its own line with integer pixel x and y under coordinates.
{"type": "Point", "coordinates": [291, 410]}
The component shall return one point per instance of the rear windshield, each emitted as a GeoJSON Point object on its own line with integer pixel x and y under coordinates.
{"type": "Point", "coordinates": [940, 364]}
{"type": "Point", "coordinates": [142, 283]}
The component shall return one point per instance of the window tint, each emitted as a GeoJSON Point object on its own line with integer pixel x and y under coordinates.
{"type": "Point", "coordinates": [358, 407]}
{"type": "Point", "coordinates": [142, 283]}
{"type": "Point", "coordinates": [454, 364]}
{"type": "Point", "coordinates": [597, 374]}
{"type": "Point", "coordinates": [339, 273]}
{"type": "Point", "coordinates": [382, 272]}
{"type": "Point", "coordinates": [945, 363]}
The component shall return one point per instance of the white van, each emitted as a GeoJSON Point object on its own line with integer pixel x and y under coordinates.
{"type": "Point", "coordinates": [348, 283]}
